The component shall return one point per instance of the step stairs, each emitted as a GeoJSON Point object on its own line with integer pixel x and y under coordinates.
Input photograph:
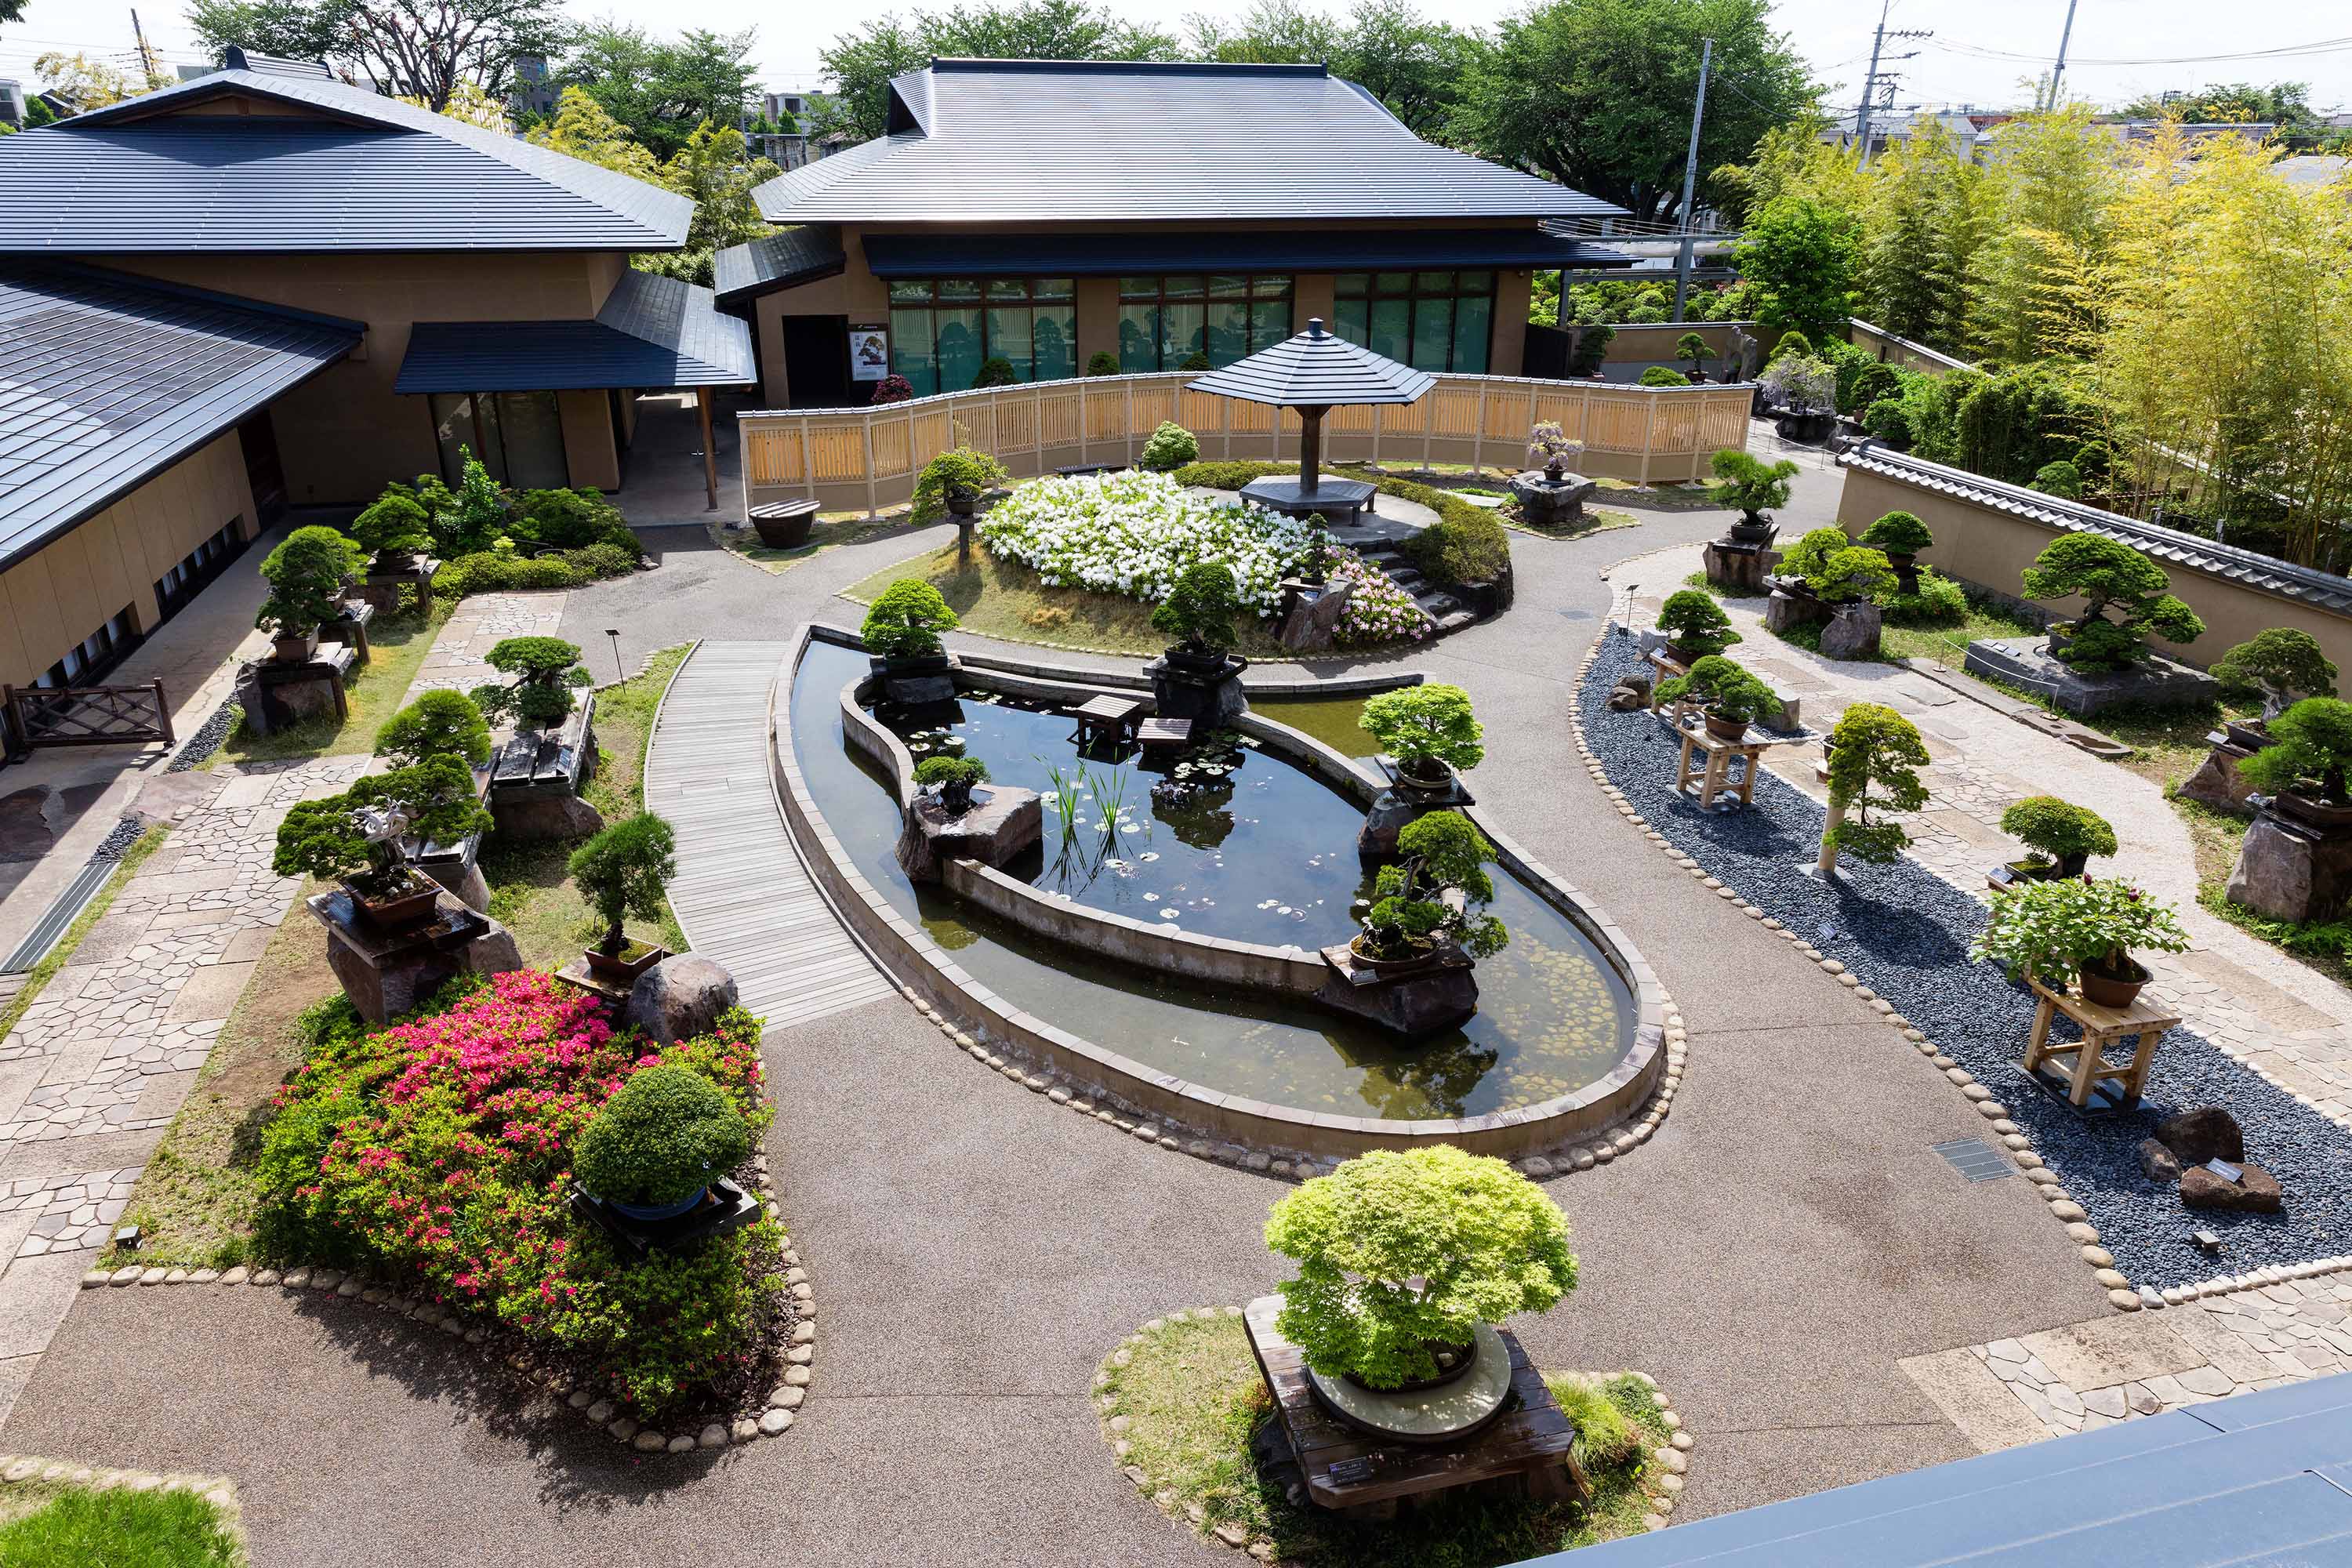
{"type": "Point", "coordinates": [1443, 608]}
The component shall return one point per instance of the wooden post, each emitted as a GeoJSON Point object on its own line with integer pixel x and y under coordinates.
{"type": "Point", "coordinates": [709, 455]}
{"type": "Point", "coordinates": [1310, 446]}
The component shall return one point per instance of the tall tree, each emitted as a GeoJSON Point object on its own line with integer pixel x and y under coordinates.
{"type": "Point", "coordinates": [862, 63]}
{"type": "Point", "coordinates": [290, 29]}
{"type": "Point", "coordinates": [410, 49]}
{"type": "Point", "coordinates": [584, 130]}
{"type": "Point", "coordinates": [2054, 176]}
{"type": "Point", "coordinates": [1416, 66]}
{"type": "Point", "coordinates": [1802, 256]}
{"type": "Point", "coordinates": [1597, 94]}
{"type": "Point", "coordinates": [662, 91]}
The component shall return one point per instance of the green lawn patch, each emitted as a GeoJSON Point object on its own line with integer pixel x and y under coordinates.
{"type": "Point", "coordinates": [374, 693]}
{"type": "Point", "coordinates": [1597, 519]}
{"type": "Point", "coordinates": [62, 954]}
{"type": "Point", "coordinates": [829, 534]}
{"type": "Point", "coordinates": [44, 1525]}
{"type": "Point", "coordinates": [1190, 1398]}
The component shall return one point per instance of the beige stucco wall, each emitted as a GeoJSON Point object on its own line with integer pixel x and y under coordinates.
{"type": "Point", "coordinates": [73, 585]}
{"type": "Point", "coordinates": [1993, 549]}
{"type": "Point", "coordinates": [347, 433]}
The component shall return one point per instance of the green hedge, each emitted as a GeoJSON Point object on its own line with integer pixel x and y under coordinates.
{"type": "Point", "coordinates": [1466, 544]}
{"type": "Point", "coordinates": [504, 571]}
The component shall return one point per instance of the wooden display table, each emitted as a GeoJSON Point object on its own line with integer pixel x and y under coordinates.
{"type": "Point", "coordinates": [1712, 772]}
{"type": "Point", "coordinates": [2085, 1085]}
{"type": "Point", "coordinates": [1174, 733]}
{"type": "Point", "coordinates": [1106, 718]}
{"type": "Point", "coordinates": [1525, 1453]}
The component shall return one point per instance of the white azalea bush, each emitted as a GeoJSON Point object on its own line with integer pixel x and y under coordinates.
{"type": "Point", "coordinates": [1134, 533]}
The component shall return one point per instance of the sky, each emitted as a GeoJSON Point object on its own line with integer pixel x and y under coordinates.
{"type": "Point", "coordinates": [1834, 34]}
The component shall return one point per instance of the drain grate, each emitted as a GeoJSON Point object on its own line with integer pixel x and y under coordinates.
{"type": "Point", "coordinates": [59, 915]}
{"type": "Point", "coordinates": [1975, 1158]}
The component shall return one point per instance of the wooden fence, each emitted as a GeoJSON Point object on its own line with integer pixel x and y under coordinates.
{"type": "Point", "coordinates": [848, 458]}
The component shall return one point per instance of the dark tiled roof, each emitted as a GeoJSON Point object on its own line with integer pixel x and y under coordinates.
{"type": "Point", "coordinates": [106, 380]}
{"type": "Point", "coordinates": [2271, 575]}
{"type": "Point", "coordinates": [654, 332]}
{"type": "Point", "coordinates": [344, 169]}
{"type": "Point", "coordinates": [1060, 141]}
{"type": "Point", "coordinates": [1316, 370]}
{"type": "Point", "coordinates": [1098, 254]}
{"type": "Point", "coordinates": [778, 261]}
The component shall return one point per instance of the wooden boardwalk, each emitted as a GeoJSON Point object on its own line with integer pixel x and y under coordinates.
{"type": "Point", "coordinates": [741, 893]}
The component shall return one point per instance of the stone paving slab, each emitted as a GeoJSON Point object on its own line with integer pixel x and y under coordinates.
{"type": "Point", "coordinates": [459, 658]}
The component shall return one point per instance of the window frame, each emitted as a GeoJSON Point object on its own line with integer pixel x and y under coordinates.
{"type": "Point", "coordinates": [989, 294]}
{"type": "Point", "coordinates": [1257, 288]}
{"type": "Point", "coordinates": [1380, 287]}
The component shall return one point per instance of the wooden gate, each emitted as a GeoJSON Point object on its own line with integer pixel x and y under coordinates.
{"type": "Point", "coordinates": [86, 716]}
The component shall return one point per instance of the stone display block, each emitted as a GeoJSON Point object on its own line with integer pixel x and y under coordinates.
{"type": "Point", "coordinates": [679, 998]}
{"type": "Point", "coordinates": [1312, 614]}
{"type": "Point", "coordinates": [1741, 568]}
{"type": "Point", "coordinates": [1399, 805]}
{"type": "Point", "coordinates": [277, 696]}
{"type": "Point", "coordinates": [1852, 631]}
{"type": "Point", "coordinates": [1002, 822]}
{"type": "Point", "coordinates": [2289, 869]}
{"type": "Point", "coordinates": [1786, 611]}
{"type": "Point", "coordinates": [1551, 502]}
{"type": "Point", "coordinates": [388, 973]}
{"type": "Point", "coordinates": [918, 683]}
{"type": "Point", "coordinates": [1415, 1004]}
{"type": "Point", "coordinates": [537, 776]}
{"type": "Point", "coordinates": [2217, 782]}
{"type": "Point", "coordinates": [1209, 695]}
{"type": "Point", "coordinates": [2028, 663]}
{"type": "Point", "coordinates": [352, 626]}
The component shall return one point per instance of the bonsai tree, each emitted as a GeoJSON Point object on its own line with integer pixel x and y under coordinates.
{"type": "Point", "coordinates": [2107, 572]}
{"type": "Point", "coordinates": [1730, 692]}
{"type": "Point", "coordinates": [893, 389]}
{"type": "Point", "coordinates": [1695, 624]}
{"type": "Point", "coordinates": [1588, 348]}
{"type": "Point", "coordinates": [2054, 931]}
{"type": "Point", "coordinates": [1752, 485]}
{"type": "Point", "coordinates": [666, 1134]}
{"type": "Point", "coordinates": [958, 474]}
{"type": "Point", "coordinates": [1692, 350]}
{"type": "Point", "coordinates": [1171, 446]}
{"type": "Point", "coordinates": [1898, 533]}
{"type": "Point", "coordinates": [326, 839]}
{"type": "Point", "coordinates": [906, 620]}
{"type": "Point", "coordinates": [1812, 553]}
{"type": "Point", "coordinates": [1427, 728]}
{"type": "Point", "coordinates": [1199, 610]}
{"type": "Point", "coordinates": [545, 670]}
{"type": "Point", "coordinates": [1662, 375]}
{"type": "Point", "coordinates": [306, 575]}
{"type": "Point", "coordinates": [395, 527]}
{"type": "Point", "coordinates": [2283, 663]}
{"type": "Point", "coordinates": [2310, 751]}
{"type": "Point", "coordinates": [1875, 755]}
{"type": "Point", "coordinates": [1801, 382]}
{"type": "Point", "coordinates": [1435, 892]}
{"type": "Point", "coordinates": [2061, 478]}
{"type": "Point", "coordinates": [437, 724]}
{"type": "Point", "coordinates": [1551, 448]}
{"type": "Point", "coordinates": [1851, 575]}
{"type": "Point", "coordinates": [622, 872]}
{"type": "Point", "coordinates": [994, 371]}
{"type": "Point", "coordinates": [1398, 1253]}
{"type": "Point", "coordinates": [953, 778]}
{"type": "Point", "coordinates": [1792, 344]}
{"type": "Point", "coordinates": [1102, 362]}
{"type": "Point", "coordinates": [2061, 835]}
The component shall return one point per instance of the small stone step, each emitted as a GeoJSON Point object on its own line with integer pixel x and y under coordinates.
{"type": "Point", "coordinates": [1454, 621]}
{"type": "Point", "coordinates": [1411, 581]}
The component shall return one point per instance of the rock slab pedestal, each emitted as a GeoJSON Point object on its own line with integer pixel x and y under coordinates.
{"type": "Point", "coordinates": [1208, 694]}
{"type": "Point", "coordinates": [2290, 869]}
{"type": "Point", "coordinates": [277, 695]}
{"type": "Point", "coordinates": [2028, 662]}
{"type": "Point", "coordinates": [918, 683]}
{"type": "Point", "coordinates": [1401, 803]}
{"type": "Point", "coordinates": [2217, 782]}
{"type": "Point", "coordinates": [1312, 613]}
{"type": "Point", "coordinates": [679, 998]}
{"type": "Point", "coordinates": [386, 973]}
{"type": "Point", "coordinates": [1415, 1004]}
{"type": "Point", "coordinates": [1738, 567]}
{"type": "Point", "coordinates": [1551, 503]}
{"type": "Point", "coordinates": [1852, 631]}
{"type": "Point", "coordinates": [1002, 822]}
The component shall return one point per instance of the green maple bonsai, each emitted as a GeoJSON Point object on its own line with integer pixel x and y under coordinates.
{"type": "Point", "coordinates": [1401, 1256]}
{"type": "Point", "coordinates": [623, 872]}
{"type": "Point", "coordinates": [437, 724]}
{"type": "Point", "coordinates": [1724, 689]}
{"type": "Point", "coordinates": [544, 669]}
{"type": "Point", "coordinates": [1199, 610]}
{"type": "Point", "coordinates": [2309, 754]}
{"type": "Point", "coordinates": [306, 575]}
{"type": "Point", "coordinates": [1875, 755]}
{"type": "Point", "coordinates": [2107, 572]}
{"type": "Point", "coordinates": [1439, 853]}
{"type": "Point", "coordinates": [1427, 728]}
{"type": "Point", "coordinates": [1898, 533]}
{"type": "Point", "coordinates": [2284, 664]}
{"type": "Point", "coordinates": [2061, 835]}
{"type": "Point", "coordinates": [666, 1133]}
{"type": "Point", "coordinates": [1695, 625]}
{"type": "Point", "coordinates": [905, 621]}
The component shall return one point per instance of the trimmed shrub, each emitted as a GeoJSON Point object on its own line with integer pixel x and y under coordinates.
{"type": "Point", "coordinates": [1889, 420]}
{"type": "Point", "coordinates": [1465, 545]}
{"type": "Point", "coordinates": [571, 519]}
{"type": "Point", "coordinates": [1898, 533]}
{"type": "Point", "coordinates": [1937, 602]}
{"type": "Point", "coordinates": [2060, 478]}
{"type": "Point", "coordinates": [437, 724]}
{"type": "Point", "coordinates": [1660, 376]}
{"type": "Point", "coordinates": [1199, 609]}
{"type": "Point", "coordinates": [893, 389]}
{"type": "Point", "coordinates": [906, 620]}
{"type": "Point", "coordinates": [666, 1133]}
{"type": "Point", "coordinates": [958, 468]}
{"type": "Point", "coordinates": [1169, 449]}
{"type": "Point", "coordinates": [1873, 381]}
{"type": "Point", "coordinates": [602, 559]}
{"type": "Point", "coordinates": [1102, 362]}
{"type": "Point", "coordinates": [1695, 623]}
{"type": "Point", "coordinates": [994, 371]}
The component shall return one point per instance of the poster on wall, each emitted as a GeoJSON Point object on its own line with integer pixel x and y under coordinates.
{"type": "Point", "coordinates": [869, 352]}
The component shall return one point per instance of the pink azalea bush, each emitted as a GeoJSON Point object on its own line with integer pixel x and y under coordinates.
{"type": "Point", "coordinates": [440, 1151]}
{"type": "Point", "coordinates": [1377, 611]}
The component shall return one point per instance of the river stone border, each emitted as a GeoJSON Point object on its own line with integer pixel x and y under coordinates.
{"type": "Point", "coordinates": [20, 1470]}
{"type": "Point", "coordinates": [1672, 1462]}
{"type": "Point", "coordinates": [773, 1420]}
{"type": "Point", "coordinates": [1070, 1071]}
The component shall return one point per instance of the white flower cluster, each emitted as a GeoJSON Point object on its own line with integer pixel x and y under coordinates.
{"type": "Point", "coordinates": [1377, 611]}
{"type": "Point", "coordinates": [1133, 533]}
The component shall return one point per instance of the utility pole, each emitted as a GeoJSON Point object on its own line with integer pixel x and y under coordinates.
{"type": "Point", "coordinates": [146, 55]}
{"type": "Point", "coordinates": [1870, 82]}
{"type": "Point", "coordinates": [1690, 180]}
{"type": "Point", "coordinates": [2064, 38]}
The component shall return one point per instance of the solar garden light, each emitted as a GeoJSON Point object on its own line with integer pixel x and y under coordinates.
{"type": "Point", "coordinates": [614, 633]}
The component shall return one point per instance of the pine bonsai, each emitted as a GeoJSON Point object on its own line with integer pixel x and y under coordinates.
{"type": "Point", "coordinates": [623, 872]}
{"type": "Point", "coordinates": [395, 527]}
{"type": "Point", "coordinates": [2107, 572]}
{"type": "Point", "coordinates": [1695, 625]}
{"type": "Point", "coordinates": [326, 839]}
{"type": "Point", "coordinates": [1439, 853]}
{"type": "Point", "coordinates": [1898, 533]}
{"type": "Point", "coordinates": [1399, 1252]}
{"type": "Point", "coordinates": [959, 472]}
{"type": "Point", "coordinates": [1724, 689]}
{"type": "Point", "coordinates": [1425, 724]}
{"type": "Point", "coordinates": [905, 621]}
{"type": "Point", "coordinates": [1750, 483]}
{"type": "Point", "coordinates": [666, 1133]}
{"type": "Point", "coordinates": [437, 724]}
{"type": "Point", "coordinates": [1692, 350]}
{"type": "Point", "coordinates": [2283, 663]}
{"type": "Point", "coordinates": [545, 670]}
{"type": "Point", "coordinates": [2061, 835]}
{"type": "Point", "coordinates": [1199, 610]}
{"type": "Point", "coordinates": [1875, 755]}
{"type": "Point", "coordinates": [2309, 754]}
{"type": "Point", "coordinates": [953, 778]}
{"type": "Point", "coordinates": [1852, 575]}
{"type": "Point", "coordinates": [1169, 449]}
{"type": "Point", "coordinates": [306, 575]}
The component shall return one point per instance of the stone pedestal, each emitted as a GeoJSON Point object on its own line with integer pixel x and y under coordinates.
{"type": "Point", "coordinates": [1852, 631]}
{"type": "Point", "coordinates": [2028, 662]}
{"type": "Point", "coordinates": [2217, 781]}
{"type": "Point", "coordinates": [1312, 614]}
{"type": "Point", "coordinates": [463, 880]}
{"type": "Point", "coordinates": [1786, 611]}
{"type": "Point", "coordinates": [382, 589]}
{"type": "Point", "coordinates": [1741, 568]}
{"type": "Point", "coordinates": [916, 683]}
{"type": "Point", "coordinates": [1414, 1004]}
{"type": "Point", "coordinates": [538, 774]}
{"type": "Point", "coordinates": [1208, 694]}
{"type": "Point", "coordinates": [277, 695]}
{"type": "Point", "coordinates": [1399, 805]}
{"type": "Point", "coordinates": [2292, 870]}
{"type": "Point", "coordinates": [388, 973]}
{"type": "Point", "coordinates": [1547, 502]}
{"type": "Point", "coordinates": [1002, 822]}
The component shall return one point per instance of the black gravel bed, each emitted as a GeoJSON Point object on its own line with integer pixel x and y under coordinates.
{"type": "Point", "coordinates": [206, 740]}
{"type": "Point", "coordinates": [1904, 932]}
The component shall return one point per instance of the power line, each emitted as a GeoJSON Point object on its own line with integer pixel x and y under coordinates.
{"type": "Point", "coordinates": [2323, 46]}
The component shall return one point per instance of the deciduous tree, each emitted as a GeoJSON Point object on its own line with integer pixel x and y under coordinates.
{"type": "Point", "coordinates": [862, 63]}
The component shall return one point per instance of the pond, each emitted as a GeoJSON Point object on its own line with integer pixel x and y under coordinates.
{"type": "Point", "coordinates": [1330, 720]}
{"type": "Point", "coordinates": [1241, 844]}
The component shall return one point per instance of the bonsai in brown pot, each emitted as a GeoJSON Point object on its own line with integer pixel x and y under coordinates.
{"type": "Point", "coordinates": [1694, 625]}
{"type": "Point", "coordinates": [1730, 697]}
{"type": "Point", "coordinates": [306, 575]}
{"type": "Point", "coordinates": [2060, 838]}
{"type": "Point", "coordinates": [1429, 731]}
{"type": "Point", "coordinates": [1434, 897]}
{"type": "Point", "coordinates": [360, 839]}
{"type": "Point", "coordinates": [2284, 666]}
{"type": "Point", "coordinates": [2304, 767]}
{"type": "Point", "coordinates": [623, 872]}
{"type": "Point", "coordinates": [2083, 930]}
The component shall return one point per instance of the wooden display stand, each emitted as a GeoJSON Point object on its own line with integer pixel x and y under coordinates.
{"type": "Point", "coordinates": [2084, 1084]}
{"type": "Point", "coordinates": [1713, 772]}
{"type": "Point", "coordinates": [1105, 718]}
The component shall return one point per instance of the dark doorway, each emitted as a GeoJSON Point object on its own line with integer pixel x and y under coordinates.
{"type": "Point", "coordinates": [816, 361]}
{"type": "Point", "coordinates": [263, 471]}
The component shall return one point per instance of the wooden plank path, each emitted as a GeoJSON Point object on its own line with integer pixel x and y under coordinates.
{"type": "Point", "coordinates": [741, 894]}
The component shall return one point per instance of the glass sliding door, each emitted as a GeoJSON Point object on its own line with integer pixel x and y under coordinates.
{"type": "Point", "coordinates": [943, 330]}
{"type": "Point", "coordinates": [1430, 321]}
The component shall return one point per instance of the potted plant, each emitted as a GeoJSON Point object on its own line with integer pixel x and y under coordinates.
{"type": "Point", "coordinates": [437, 724]}
{"type": "Point", "coordinates": [395, 528]}
{"type": "Point", "coordinates": [2304, 765]}
{"type": "Point", "coordinates": [1430, 730]}
{"type": "Point", "coordinates": [1807, 388]}
{"type": "Point", "coordinates": [1171, 446]}
{"type": "Point", "coordinates": [1198, 612]}
{"type": "Point", "coordinates": [953, 778]}
{"type": "Point", "coordinates": [1692, 350]}
{"type": "Point", "coordinates": [653, 1150]}
{"type": "Point", "coordinates": [2061, 836]}
{"type": "Point", "coordinates": [2107, 572]}
{"type": "Point", "coordinates": [1553, 447]}
{"type": "Point", "coordinates": [360, 837]}
{"type": "Point", "coordinates": [1695, 625]}
{"type": "Point", "coordinates": [902, 627]}
{"type": "Point", "coordinates": [1875, 755]}
{"type": "Point", "coordinates": [893, 388]}
{"type": "Point", "coordinates": [306, 575]}
{"type": "Point", "coordinates": [1733, 698]}
{"type": "Point", "coordinates": [2079, 929]}
{"type": "Point", "coordinates": [1899, 536]}
{"type": "Point", "coordinates": [2285, 665]}
{"type": "Point", "coordinates": [621, 872]}
{"type": "Point", "coordinates": [544, 669]}
{"type": "Point", "coordinates": [1432, 897]}
{"type": "Point", "coordinates": [1403, 1257]}
{"type": "Point", "coordinates": [952, 483]}
{"type": "Point", "coordinates": [1755, 486]}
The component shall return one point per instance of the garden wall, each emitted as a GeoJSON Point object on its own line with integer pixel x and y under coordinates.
{"type": "Point", "coordinates": [849, 459]}
{"type": "Point", "coordinates": [1901, 352]}
{"type": "Point", "coordinates": [1988, 533]}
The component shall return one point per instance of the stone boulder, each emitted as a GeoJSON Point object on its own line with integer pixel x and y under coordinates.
{"type": "Point", "coordinates": [2256, 1191]}
{"type": "Point", "coordinates": [1786, 612]}
{"type": "Point", "coordinates": [1414, 1005]}
{"type": "Point", "coordinates": [544, 820]}
{"type": "Point", "coordinates": [2205, 1132]}
{"type": "Point", "coordinates": [1397, 805]}
{"type": "Point", "coordinates": [680, 998]}
{"type": "Point", "coordinates": [2217, 782]}
{"type": "Point", "coordinates": [1631, 695]}
{"type": "Point", "coordinates": [1212, 698]}
{"type": "Point", "coordinates": [1851, 632]}
{"type": "Point", "coordinates": [1001, 823]}
{"type": "Point", "coordinates": [2289, 872]}
{"type": "Point", "coordinates": [2159, 1163]}
{"type": "Point", "coordinates": [1315, 610]}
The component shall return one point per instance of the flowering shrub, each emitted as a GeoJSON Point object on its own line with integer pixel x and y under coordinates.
{"type": "Point", "coordinates": [1377, 611]}
{"type": "Point", "coordinates": [441, 1151]}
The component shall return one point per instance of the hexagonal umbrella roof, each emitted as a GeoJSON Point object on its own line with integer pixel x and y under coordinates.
{"type": "Point", "coordinates": [1316, 369]}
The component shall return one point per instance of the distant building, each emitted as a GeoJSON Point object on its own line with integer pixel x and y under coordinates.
{"type": "Point", "coordinates": [2313, 170]}
{"type": "Point", "coordinates": [12, 102]}
{"type": "Point", "coordinates": [1893, 130]}
{"type": "Point", "coordinates": [781, 106]}
{"type": "Point", "coordinates": [532, 94]}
